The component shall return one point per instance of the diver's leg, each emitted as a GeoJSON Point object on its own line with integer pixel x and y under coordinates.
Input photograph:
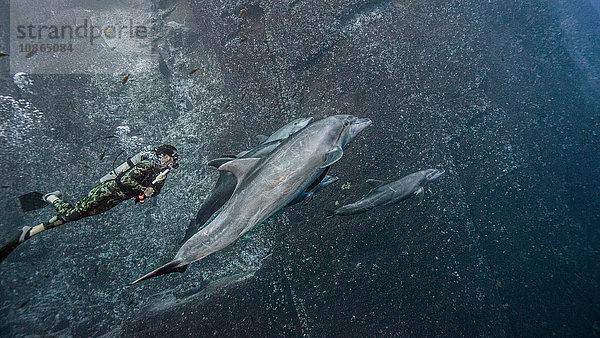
{"type": "Point", "coordinates": [52, 196]}
{"type": "Point", "coordinates": [26, 233]}
{"type": "Point", "coordinates": [86, 206]}
{"type": "Point", "coordinates": [100, 199]}
{"type": "Point", "coordinates": [65, 210]}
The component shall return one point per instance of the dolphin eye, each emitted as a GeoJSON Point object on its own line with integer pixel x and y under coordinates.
{"type": "Point", "coordinates": [346, 123]}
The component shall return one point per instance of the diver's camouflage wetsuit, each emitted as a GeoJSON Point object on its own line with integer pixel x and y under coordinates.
{"type": "Point", "coordinates": [107, 195]}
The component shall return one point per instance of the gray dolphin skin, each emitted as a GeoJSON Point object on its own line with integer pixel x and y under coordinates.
{"type": "Point", "coordinates": [226, 181]}
{"type": "Point", "coordinates": [266, 185]}
{"type": "Point", "coordinates": [281, 134]}
{"type": "Point", "coordinates": [306, 196]}
{"type": "Point", "coordinates": [384, 193]}
{"type": "Point", "coordinates": [289, 129]}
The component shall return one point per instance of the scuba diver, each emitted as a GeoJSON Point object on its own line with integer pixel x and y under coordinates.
{"type": "Point", "coordinates": [139, 177]}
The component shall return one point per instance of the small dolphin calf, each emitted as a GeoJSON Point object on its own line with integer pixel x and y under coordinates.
{"type": "Point", "coordinates": [384, 193]}
{"type": "Point", "coordinates": [226, 181]}
{"type": "Point", "coordinates": [265, 185]}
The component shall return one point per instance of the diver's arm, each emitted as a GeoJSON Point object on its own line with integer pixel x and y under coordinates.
{"type": "Point", "coordinates": [157, 187]}
{"type": "Point", "coordinates": [137, 172]}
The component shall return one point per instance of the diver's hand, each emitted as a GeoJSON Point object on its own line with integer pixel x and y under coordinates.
{"type": "Point", "coordinates": [148, 191]}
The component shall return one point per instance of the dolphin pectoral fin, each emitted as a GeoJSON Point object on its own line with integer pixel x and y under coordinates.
{"type": "Point", "coordinates": [240, 167]}
{"type": "Point", "coordinates": [308, 198]}
{"type": "Point", "coordinates": [375, 183]}
{"type": "Point", "coordinates": [333, 156]}
{"type": "Point", "coordinates": [217, 162]}
{"type": "Point", "coordinates": [261, 138]}
{"type": "Point", "coordinates": [190, 231]}
{"type": "Point", "coordinates": [165, 269]}
{"type": "Point", "coordinates": [329, 213]}
{"type": "Point", "coordinates": [420, 193]}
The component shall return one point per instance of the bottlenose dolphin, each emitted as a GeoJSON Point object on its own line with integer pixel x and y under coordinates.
{"type": "Point", "coordinates": [265, 185]}
{"type": "Point", "coordinates": [226, 182]}
{"type": "Point", "coordinates": [384, 193]}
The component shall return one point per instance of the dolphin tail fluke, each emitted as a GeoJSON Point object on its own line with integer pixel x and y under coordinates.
{"type": "Point", "coordinates": [163, 270]}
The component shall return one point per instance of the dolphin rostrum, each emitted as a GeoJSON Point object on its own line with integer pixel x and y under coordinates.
{"type": "Point", "coordinates": [226, 181]}
{"type": "Point", "coordinates": [265, 185]}
{"type": "Point", "coordinates": [384, 193]}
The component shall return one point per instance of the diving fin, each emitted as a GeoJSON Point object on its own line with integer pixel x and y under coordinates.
{"type": "Point", "coordinates": [163, 270]}
{"type": "Point", "coordinates": [9, 247]}
{"type": "Point", "coordinates": [32, 201]}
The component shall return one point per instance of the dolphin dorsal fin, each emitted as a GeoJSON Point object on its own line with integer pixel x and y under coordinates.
{"type": "Point", "coordinates": [217, 162]}
{"type": "Point", "coordinates": [333, 156]}
{"type": "Point", "coordinates": [375, 183]}
{"type": "Point", "coordinates": [261, 138]}
{"type": "Point", "coordinates": [240, 167]}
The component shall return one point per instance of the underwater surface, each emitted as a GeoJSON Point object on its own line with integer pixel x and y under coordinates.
{"type": "Point", "coordinates": [502, 95]}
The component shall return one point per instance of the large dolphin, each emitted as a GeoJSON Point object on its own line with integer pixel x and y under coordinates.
{"type": "Point", "coordinates": [266, 185]}
{"type": "Point", "coordinates": [384, 193]}
{"type": "Point", "coordinates": [226, 182]}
